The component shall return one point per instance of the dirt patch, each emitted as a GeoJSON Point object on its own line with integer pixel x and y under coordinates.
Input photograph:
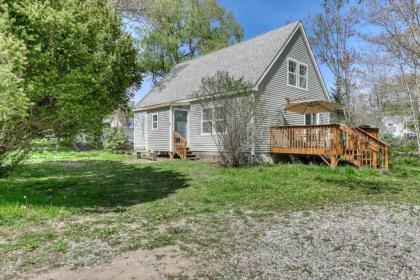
{"type": "Point", "coordinates": [159, 263]}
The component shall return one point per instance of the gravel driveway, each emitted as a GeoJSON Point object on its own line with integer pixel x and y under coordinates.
{"type": "Point", "coordinates": [341, 242]}
{"type": "Point", "coordinates": [346, 242]}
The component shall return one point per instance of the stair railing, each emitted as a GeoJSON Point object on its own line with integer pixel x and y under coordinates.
{"type": "Point", "coordinates": [179, 145]}
{"type": "Point", "coordinates": [363, 149]}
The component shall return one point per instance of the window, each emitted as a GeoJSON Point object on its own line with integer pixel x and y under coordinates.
{"type": "Point", "coordinates": [311, 119]}
{"type": "Point", "coordinates": [155, 121]}
{"type": "Point", "coordinates": [219, 120]}
{"type": "Point", "coordinates": [303, 76]}
{"type": "Point", "coordinates": [292, 73]}
{"type": "Point", "coordinates": [206, 120]}
{"type": "Point", "coordinates": [212, 120]}
{"type": "Point", "coordinates": [297, 74]}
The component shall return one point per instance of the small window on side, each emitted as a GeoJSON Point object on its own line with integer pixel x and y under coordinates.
{"type": "Point", "coordinates": [155, 121]}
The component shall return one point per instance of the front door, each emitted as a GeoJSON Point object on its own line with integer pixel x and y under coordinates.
{"type": "Point", "coordinates": [181, 118]}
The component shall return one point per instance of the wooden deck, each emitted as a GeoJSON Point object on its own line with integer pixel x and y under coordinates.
{"type": "Point", "coordinates": [331, 142]}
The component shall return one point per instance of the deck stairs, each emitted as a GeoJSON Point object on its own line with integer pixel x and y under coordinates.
{"type": "Point", "coordinates": [180, 148]}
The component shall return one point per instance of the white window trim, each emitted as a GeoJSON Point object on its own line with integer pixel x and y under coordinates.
{"type": "Point", "coordinates": [318, 119]}
{"type": "Point", "coordinates": [157, 121]}
{"type": "Point", "coordinates": [307, 76]}
{"type": "Point", "coordinates": [288, 72]}
{"type": "Point", "coordinates": [297, 73]}
{"type": "Point", "coordinates": [202, 114]}
{"type": "Point", "coordinates": [213, 121]}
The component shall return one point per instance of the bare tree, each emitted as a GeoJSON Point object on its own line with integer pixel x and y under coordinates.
{"type": "Point", "coordinates": [231, 113]}
{"type": "Point", "coordinates": [377, 86]}
{"type": "Point", "coordinates": [330, 35]}
{"type": "Point", "coordinates": [129, 9]}
{"type": "Point", "coordinates": [398, 25]}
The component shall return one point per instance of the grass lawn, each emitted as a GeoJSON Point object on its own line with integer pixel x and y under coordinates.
{"type": "Point", "coordinates": [78, 208]}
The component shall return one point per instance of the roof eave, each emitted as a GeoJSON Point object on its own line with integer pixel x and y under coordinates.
{"type": "Point", "coordinates": [273, 61]}
{"type": "Point", "coordinates": [185, 102]}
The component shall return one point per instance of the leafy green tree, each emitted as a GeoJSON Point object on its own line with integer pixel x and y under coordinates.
{"type": "Point", "coordinates": [64, 66]}
{"type": "Point", "coordinates": [178, 30]}
{"type": "Point", "coordinates": [13, 101]}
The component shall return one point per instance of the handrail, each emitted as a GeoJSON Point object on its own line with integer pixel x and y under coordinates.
{"type": "Point", "coordinates": [331, 142]}
{"type": "Point", "coordinates": [370, 136]}
{"type": "Point", "coordinates": [307, 126]}
{"type": "Point", "coordinates": [179, 145]}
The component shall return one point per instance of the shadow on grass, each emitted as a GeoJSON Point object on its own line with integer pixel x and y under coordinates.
{"type": "Point", "coordinates": [367, 186]}
{"type": "Point", "coordinates": [89, 184]}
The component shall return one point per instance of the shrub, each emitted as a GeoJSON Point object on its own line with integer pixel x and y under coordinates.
{"type": "Point", "coordinates": [234, 117]}
{"type": "Point", "coordinates": [115, 139]}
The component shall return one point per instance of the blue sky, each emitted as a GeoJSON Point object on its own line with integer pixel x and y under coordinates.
{"type": "Point", "coordinates": [259, 16]}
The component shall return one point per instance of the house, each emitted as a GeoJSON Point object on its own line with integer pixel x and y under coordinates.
{"type": "Point", "coordinates": [119, 120]}
{"type": "Point", "coordinates": [398, 125]}
{"type": "Point", "coordinates": [279, 63]}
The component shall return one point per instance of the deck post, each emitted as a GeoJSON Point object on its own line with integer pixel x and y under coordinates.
{"type": "Point", "coordinates": [374, 163]}
{"type": "Point", "coordinates": [334, 161]}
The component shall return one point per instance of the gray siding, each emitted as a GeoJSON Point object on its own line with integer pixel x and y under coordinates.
{"type": "Point", "coordinates": [198, 142]}
{"type": "Point", "coordinates": [140, 131]}
{"type": "Point", "coordinates": [275, 89]}
{"type": "Point", "coordinates": [159, 139]}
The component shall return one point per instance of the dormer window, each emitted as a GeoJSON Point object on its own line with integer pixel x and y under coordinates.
{"type": "Point", "coordinates": [297, 74]}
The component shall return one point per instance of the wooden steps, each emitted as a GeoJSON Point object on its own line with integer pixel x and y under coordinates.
{"type": "Point", "coordinates": [180, 149]}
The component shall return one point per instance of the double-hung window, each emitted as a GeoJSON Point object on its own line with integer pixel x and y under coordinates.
{"type": "Point", "coordinates": [297, 74]}
{"type": "Point", "coordinates": [292, 80]}
{"type": "Point", "coordinates": [219, 120]}
{"type": "Point", "coordinates": [212, 120]}
{"type": "Point", "coordinates": [303, 76]}
{"type": "Point", "coordinates": [155, 121]}
{"type": "Point", "coordinates": [207, 120]}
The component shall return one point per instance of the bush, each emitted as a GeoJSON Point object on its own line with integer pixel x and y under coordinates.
{"type": "Point", "coordinates": [11, 160]}
{"type": "Point", "coordinates": [115, 139]}
{"type": "Point", "coordinates": [401, 143]}
{"type": "Point", "coordinates": [235, 121]}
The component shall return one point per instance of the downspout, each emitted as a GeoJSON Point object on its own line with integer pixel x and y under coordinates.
{"type": "Point", "coordinates": [170, 127]}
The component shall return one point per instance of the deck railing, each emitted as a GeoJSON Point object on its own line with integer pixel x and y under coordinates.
{"type": "Point", "coordinates": [305, 139]}
{"type": "Point", "coordinates": [331, 142]}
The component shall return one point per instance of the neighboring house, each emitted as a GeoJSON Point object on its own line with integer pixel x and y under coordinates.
{"type": "Point", "coordinates": [279, 63]}
{"type": "Point", "coordinates": [398, 125]}
{"type": "Point", "coordinates": [117, 122]}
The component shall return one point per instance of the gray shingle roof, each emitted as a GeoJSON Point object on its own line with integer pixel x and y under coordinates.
{"type": "Point", "coordinates": [249, 59]}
